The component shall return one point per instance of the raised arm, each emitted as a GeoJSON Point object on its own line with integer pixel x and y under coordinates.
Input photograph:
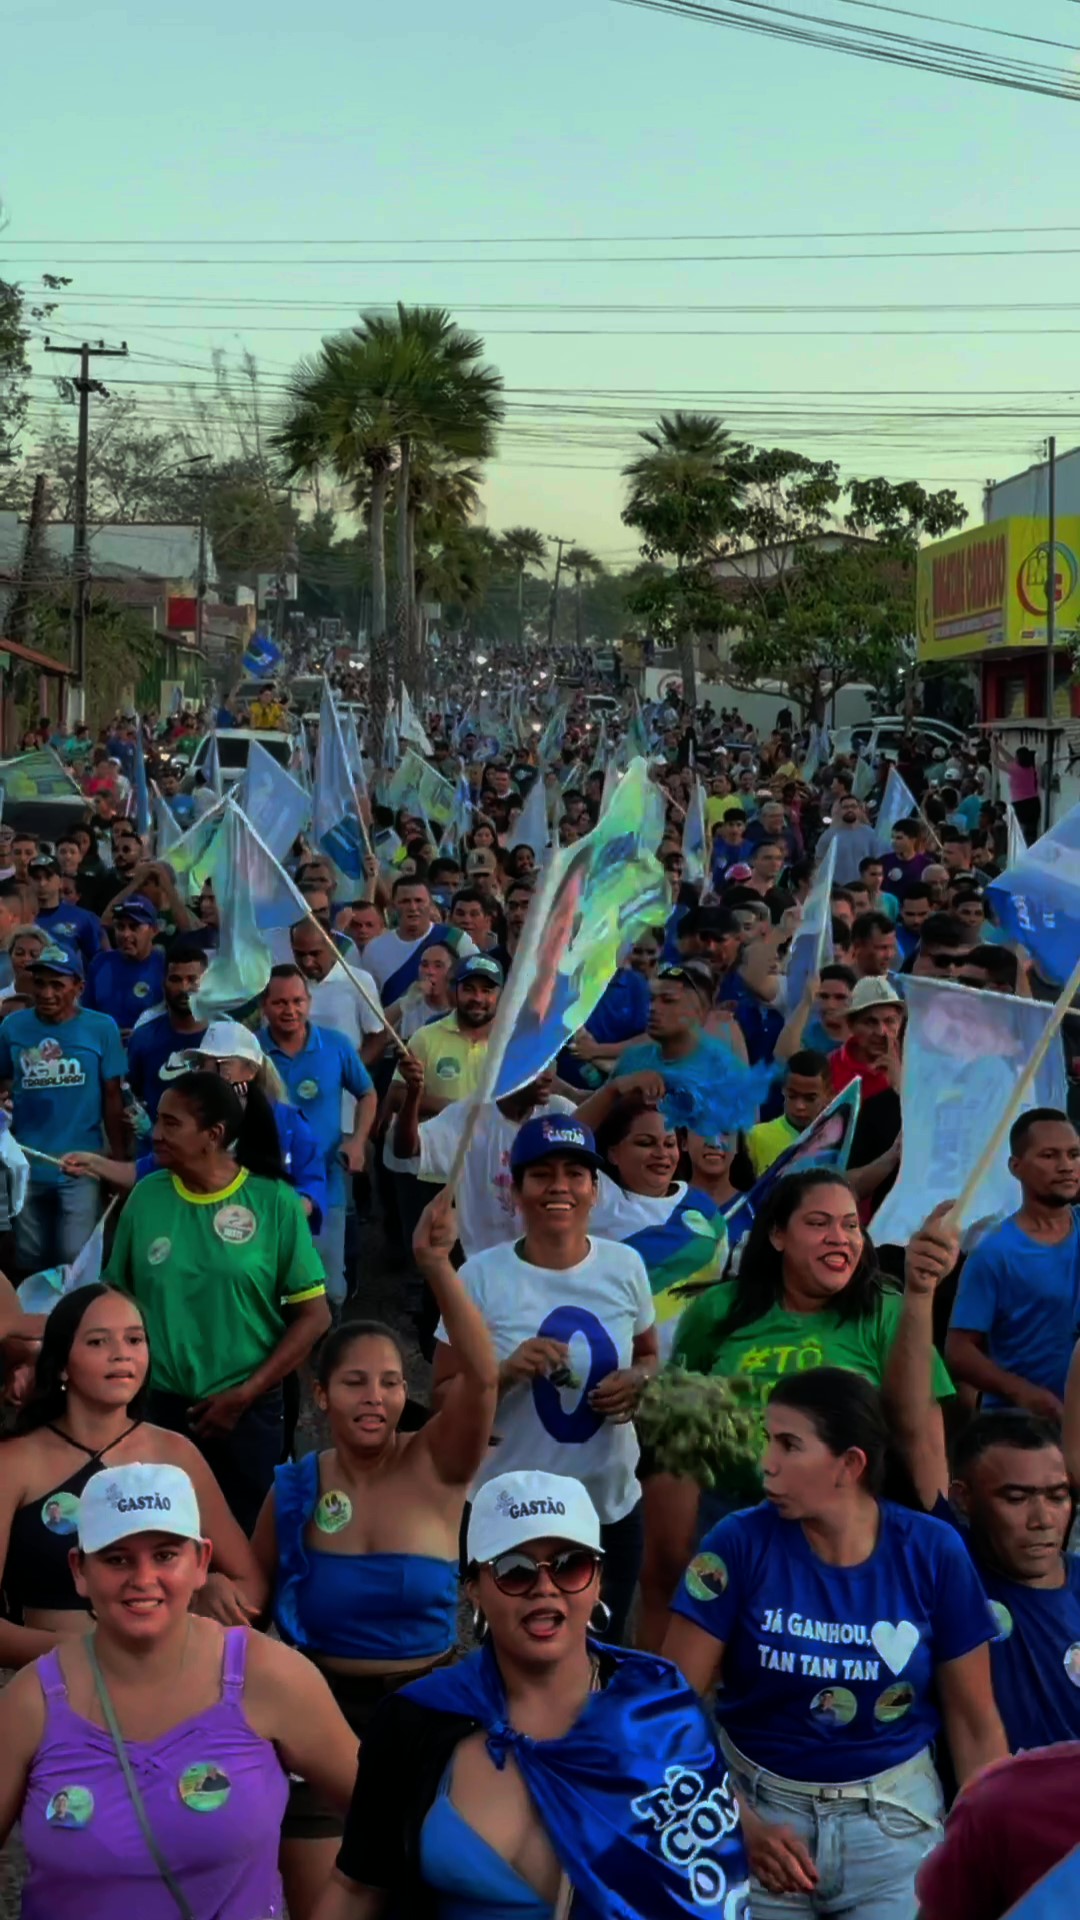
{"type": "Point", "coordinates": [909, 1382]}
{"type": "Point", "coordinates": [458, 1432]}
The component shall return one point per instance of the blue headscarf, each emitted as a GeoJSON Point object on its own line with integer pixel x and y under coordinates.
{"type": "Point", "coordinates": [635, 1798]}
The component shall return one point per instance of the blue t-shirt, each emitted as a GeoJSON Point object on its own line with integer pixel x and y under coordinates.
{"type": "Point", "coordinates": [1035, 1660]}
{"type": "Point", "coordinates": [621, 1011]}
{"type": "Point", "coordinates": [149, 1048]}
{"type": "Point", "coordinates": [326, 1067]}
{"type": "Point", "coordinates": [58, 1073]}
{"type": "Point", "coordinates": [76, 927]}
{"type": "Point", "coordinates": [828, 1672]}
{"type": "Point", "coordinates": [125, 988]}
{"type": "Point", "coordinates": [1025, 1298]}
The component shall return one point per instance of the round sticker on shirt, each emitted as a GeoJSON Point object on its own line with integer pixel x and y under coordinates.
{"type": "Point", "coordinates": [1004, 1619]}
{"type": "Point", "coordinates": [141, 989]}
{"type": "Point", "coordinates": [308, 1089]}
{"type": "Point", "coordinates": [894, 1703]}
{"type": "Point", "coordinates": [834, 1707]}
{"type": "Point", "coordinates": [158, 1250]}
{"type": "Point", "coordinates": [333, 1512]}
{"type": "Point", "coordinates": [235, 1225]}
{"type": "Point", "coordinates": [447, 1068]}
{"type": "Point", "coordinates": [204, 1788]}
{"type": "Point", "coordinates": [1072, 1663]}
{"type": "Point", "coordinates": [70, 1807]}
{"type": "Point", "coordinates": [60, 1513]}
{"type": "Point", "coordinates": [706, 1576]}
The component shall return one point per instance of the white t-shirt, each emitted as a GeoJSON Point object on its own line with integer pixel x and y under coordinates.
{"type": "Point", "coordinates": [618, 1214]}
{"type": "Point", "coordinates": [597, 1308]}
{"type": "Point", "coordinates": [388, 951]}
{"type": "Point", "coordinates": [487, 1216]}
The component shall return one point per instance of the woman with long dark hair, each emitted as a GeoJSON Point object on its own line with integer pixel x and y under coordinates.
{"type": "Point", "coordinates": [848, 1634]}
{"type": "Point", "coordinates": [360, 1542]}
{"type": "Point", "coordinates": [87, 1410]}
{"type": "Point", "coordinates": [217, 1251]}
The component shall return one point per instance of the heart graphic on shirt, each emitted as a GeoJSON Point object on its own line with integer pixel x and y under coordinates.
{"type": "Point", "coordinates": [895, 1644]}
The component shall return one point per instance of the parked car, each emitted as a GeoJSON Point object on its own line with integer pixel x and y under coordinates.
{"type": "Point", "coordinates": [881, 738]}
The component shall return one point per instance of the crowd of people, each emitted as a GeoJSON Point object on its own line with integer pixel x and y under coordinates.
{"type": "Point", "coordinates": [750, 1686]}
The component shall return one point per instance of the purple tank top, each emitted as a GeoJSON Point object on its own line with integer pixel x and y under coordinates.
{"type": "Point", "coordinates": [214, 1793]}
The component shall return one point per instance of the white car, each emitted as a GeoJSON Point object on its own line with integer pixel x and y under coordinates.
{"type": "Point", "coordinates": [878, 739]}
{"type": "Point", "coordinates": [234, 745]}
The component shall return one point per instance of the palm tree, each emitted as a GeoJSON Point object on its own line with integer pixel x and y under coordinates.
{"type": "Point", "coordinates": [444, 496]}
{"type": "Point", "coordinates": [523, 547]}
{"type": "Point", "coordinates": [579, 561]}
{"type": "Point", "coordinates": [678, 490]}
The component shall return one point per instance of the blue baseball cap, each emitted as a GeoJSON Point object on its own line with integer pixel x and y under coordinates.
{"type": "Point", "coordinates": [478, 966]}
{"type": "Point", "coordinates": [138, 908]}
{"type": "Point", "coordinates": [552, 1133]}
{"type": "Point", "coordinates": [59, 959]}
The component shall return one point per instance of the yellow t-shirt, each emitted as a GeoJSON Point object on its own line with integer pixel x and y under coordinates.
{"type": "Point", "coordinates": [453, 1061]}
{"type": "Point", "coordinates": [717, 805]}
{"type": "Point", "coordinates": [767, 1141]}
{"type": "Point", "coordinates": [267, 713]}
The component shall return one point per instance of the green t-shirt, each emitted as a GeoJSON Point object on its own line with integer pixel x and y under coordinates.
{"type": "Point", "coordinates": [211, 1273]}
{"type": "Point", "coordinates": [782, 1342]}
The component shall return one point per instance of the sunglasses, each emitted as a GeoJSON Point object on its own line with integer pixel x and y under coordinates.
{"type": "Point", "coordinates": [516, 1574]}
{"type": "Point", "coordinates": [946, 961]}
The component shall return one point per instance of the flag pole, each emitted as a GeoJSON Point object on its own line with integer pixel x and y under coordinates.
{"type": "Point", "coordinates": [357, 982]}
{"type": "Point", "coordinates": [1012, 1107]}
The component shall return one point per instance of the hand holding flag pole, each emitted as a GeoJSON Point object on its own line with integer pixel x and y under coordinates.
{"type": "Point", "coordinates": [358, 984]}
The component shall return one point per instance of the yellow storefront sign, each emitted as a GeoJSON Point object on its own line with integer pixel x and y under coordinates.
{"type": "Point", "coordinates": [988, 588]}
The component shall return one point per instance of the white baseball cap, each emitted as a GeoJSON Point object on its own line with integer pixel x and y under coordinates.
{"type": "Point", "coordinates": [515, 1507]}
{"type": "Point", "coordinates": [120, 1501]}
{"type": "Point", "coordinates": [229, 1040]}
{"type": "Point", "coordinates": [874, 991]}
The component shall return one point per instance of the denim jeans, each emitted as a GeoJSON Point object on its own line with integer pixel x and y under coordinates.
{"type": "Point", "coordinates": [867, 1848]}
{"type": "Point", "coordinates": [56, 1223]}
{"type": "Point", "coordinates": [330, 1244]}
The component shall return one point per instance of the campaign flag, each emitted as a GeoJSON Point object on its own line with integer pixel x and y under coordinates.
{"type": "Point", "coordinates": [612, 777]}
{"type": "Point", "coordinates": [212, 766]}
{"type": "Point", "coordinates": [421, 789]}
{"type": "Point", "coordinates": [261, 656]}
{"type": "Point", "coordinates": [274, 802]}
{"type": "Point", "coordinates": [599, 759]}
{"type": "Point", "coordinates": [551, 738]}
{"type": "Point", "coordinates": [964, 1051]}
{"type": "Point", "coordinates": [140, 793]}
{"type": "Point", "coordinates": [1057, 1894]}
{"type": "Point", "coordinates": [530, 829]}
{"type": "Point", "coordinates": [897, 803]}
{"type": "Point", "coordinates": [336, 817]}
{"type": "Point", "coordinates": [1016, 844]}
{"type": "Point", "coordinates": [410, 727]}
{"type": "Point", "coordinates": [571, 776]}
{"type": "Point", "coordinates": [826, 1142]}
{"type": "Point", "coordinates": [190, 856]}
{"type": "Point", "coordinates": [695, 839]}
{"type": "Point", "coordinates": [812, 945]}
{"type": "Point", "coordinates": [41, 1291]}
{"type": "Point", "coordinates": [592, 902]}
{"type": "Point", "coordinates": [354, 753]}
{"type": "Point", "coordinates": [460, 819]}
{"type": "Point", "coordinates": [39, 775]}
{"type": "Point", "coordinates": [254, 894]}
{"type": "Point", "coordinates": [391, 751]}
{"type": "Point", "coordinates": [1037, 900]}
{"type": "Point", "coordinates": [636, 734]}
{"type": "Point", "coordinates": [862, 781]}
{"type": "Point", "coordinates": [816, 752]}
{"type": "Point", "coordinates": [167, 828]}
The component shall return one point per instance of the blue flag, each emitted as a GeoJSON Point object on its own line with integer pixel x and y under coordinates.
{"type": "Point", "coordinates": [337, 825]}
{"type": "Point", "coordinates": [695, 837]}
{"type": "Point", "coordinates": [1037, 901]}
{"type": "Point", "coordinates": [1055, 1896]}
{"type": "Point", "coordinates": [897, 803]}
{"type": "Point", "coordinates": [274, 802]}
{"type": "Point", "coordinates": [212, 766]}
{"type": "Point", "coordinates": [634, 1798]}
{"type": "Point", "coordinates": [812, 944]}
{"type": "Point", "coordinates": [254, 894]}
{"type": "Point", "coordinates": [261, 656]}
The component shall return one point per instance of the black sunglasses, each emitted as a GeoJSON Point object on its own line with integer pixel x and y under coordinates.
{"type": "Point", "coordinates": [516, 1573]}
{"type": "Point", "coordinates": [943, 961]}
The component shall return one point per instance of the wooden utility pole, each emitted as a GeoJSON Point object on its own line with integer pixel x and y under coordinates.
{"type": "Point", "coordinates": [80, 586]}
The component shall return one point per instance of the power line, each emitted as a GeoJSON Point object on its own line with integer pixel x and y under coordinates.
{"type": "Point", "coordinates": [597, 259]}
{"type": "Point", "coordinates": [564, 239]}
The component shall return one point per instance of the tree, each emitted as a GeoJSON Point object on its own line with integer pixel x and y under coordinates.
{"type": "Point", "coordinates": [579, 561]}
{"type": "Point", "coordinates": [821, 598]}
{"type": "Point", "coordinates": [683, 491]}
{"type": "Point", "coordinates": [15, 312]}
{"type": "Point", "coordinates": [522, 548]}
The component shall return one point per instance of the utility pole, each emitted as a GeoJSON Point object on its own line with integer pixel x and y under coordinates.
{"type": "Point", "coordinates": [1051, 620]}
{"type": "Point", "coordinates": [80, 586]}
{"type": "Point", "coordinates": [560, 542]}
{"type": "Point", "coordinates": [199, 460]}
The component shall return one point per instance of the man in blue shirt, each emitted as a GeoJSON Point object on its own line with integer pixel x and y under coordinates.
{"type": "Point", "coordinates": [128, 980]}
{"type": "Point", "coordinates": [155, 1041]}
{"type": "Point", "coordinates": [318, 1066]}
{"type": "Point", "coordinates": [64, 1067]}
{"type": "Point", "coordinates": [1017, 1311]}
{"type": "Point", "coordinates": [64, 922]}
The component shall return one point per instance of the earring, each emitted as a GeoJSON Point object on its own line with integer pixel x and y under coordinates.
{"type": "Point", "coordinates": [479, 1626]}
{"type": "Point", "coordinates": [63, 1386]}
{"type": "Point", "coordinates": [600, 1618]}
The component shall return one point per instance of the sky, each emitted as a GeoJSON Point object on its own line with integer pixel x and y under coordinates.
{"type": "Point", "coordinates": [514, 164]}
